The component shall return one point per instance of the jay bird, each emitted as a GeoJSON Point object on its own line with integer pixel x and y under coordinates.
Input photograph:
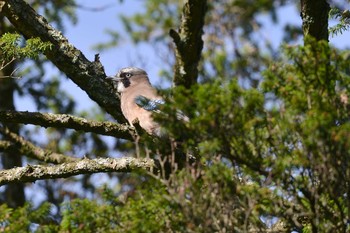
{"type": "Point", "coordinates": [138, 98]}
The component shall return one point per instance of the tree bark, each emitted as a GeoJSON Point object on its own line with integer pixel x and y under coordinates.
{"type": "Point", "coordinates": [314, 14]}
{"type": "Point", "coordinates": [188, 43]}
{"type": "Point", "coordinates": [89, 76]}
{"type": "Point", "coordinates": [123, 131]}
{"type": "Point", "coordinates": [14, 193]}
{"type": "Point", "coordinates": [31, 173]}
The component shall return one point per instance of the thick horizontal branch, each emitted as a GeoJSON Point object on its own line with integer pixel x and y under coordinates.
{"type": "Point", "coordinates": [89, 76]}
{"type": "Point", "coordinates": [31, 173]}
{"type": "Point", "coordinates": [67, 121]}
{"type": "Point", "coordinates": [30, 150]}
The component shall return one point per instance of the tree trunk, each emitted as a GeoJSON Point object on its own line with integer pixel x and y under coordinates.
{"type": "Point", "coordinates": [188, 43]}
{"type": "Point", "coordinates": [314, 14]}
{"type": "Point", "coordinates": [14, 193]}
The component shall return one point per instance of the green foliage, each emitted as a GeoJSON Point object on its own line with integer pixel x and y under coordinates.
{"type": "Point", "coordinates": [231, 48]}
{"type": "Point", "coordinates": [58, 12]}
{"type": "Point", "coordinates": [10, 47]}
{"type": "Point", "coordinates": [161, 15]}
{"type": "Point", "coordinates": [344, 21]}
{"type": "Point", "coordinates": [203, 200]}
{"type": "Point", "coordinates": [277, 148]}
{"type": "Point", "coordinates": [277, 151]}
{"type": "Point", "coordinates": [284, 145]}
{"type": "Point", "coordinates": [150, 210]}
{"type": "Point", "coordinates": [82, 215]}
{"type": "Point", "coordinates": [24, 218]}
{"type": "Point", "coordinates": [310, 127]}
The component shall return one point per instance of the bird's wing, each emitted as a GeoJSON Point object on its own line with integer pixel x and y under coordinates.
{"type": "Point", "coordinates": [153, 105]}
{"type": "Point", "coordinates": [181, 116]}
{"type": "Point", "coordinates": [148, 104]}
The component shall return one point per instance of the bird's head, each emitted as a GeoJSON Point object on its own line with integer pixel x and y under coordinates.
{"type": "Point", "coordinates": [128, 77]}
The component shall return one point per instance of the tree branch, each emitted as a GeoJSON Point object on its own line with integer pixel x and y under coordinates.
{"type": "Point", "coordinates": [5, 145]}
{"type": "Point", "coordinates": [189, 43]}
{"type": "Point", "coordinates": [31, 173]}
{"type": "Point", "coordinates": [27, 148]}
{"type": "Point", "coordinates": [89, 76]}
{"type": "Point", "coordinates": [123, 131]}
{"type": "Point", "coordinates": [314, 14]}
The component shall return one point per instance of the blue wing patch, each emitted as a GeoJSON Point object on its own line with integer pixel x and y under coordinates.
{"type": "Point", "coordinates": [147, 104]}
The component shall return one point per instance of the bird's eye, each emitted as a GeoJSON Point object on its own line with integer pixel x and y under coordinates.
{"type": "Point", "coordinates": [127, 75]}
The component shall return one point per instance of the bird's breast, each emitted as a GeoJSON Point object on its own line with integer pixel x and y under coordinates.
{"type": "Point", "coordinates": [132, 111]}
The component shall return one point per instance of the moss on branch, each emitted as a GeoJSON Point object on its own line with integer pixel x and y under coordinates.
{"type": "Point", "coordinates": [31, 173]}
{"type": "Point", "coordinates": [89, 76]}
{"type": "Point", "coordinates": [189, 43]}
{"type": "Point", "coordinates": [122, 131]}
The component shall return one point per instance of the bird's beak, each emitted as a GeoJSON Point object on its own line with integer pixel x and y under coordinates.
{"type": "Point", "coordinates": [114, 78]}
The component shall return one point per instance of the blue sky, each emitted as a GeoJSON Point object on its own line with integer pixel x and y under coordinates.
{"type": "Point", "coordinates": [91, 30]}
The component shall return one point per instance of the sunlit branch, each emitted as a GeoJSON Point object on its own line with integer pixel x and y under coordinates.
{"type": "Point", "coordinates": [31, 173]}
{"type": "Point", "coordinates": [89, 76]}
{"type": "Point", "coordinates": [122, 131]}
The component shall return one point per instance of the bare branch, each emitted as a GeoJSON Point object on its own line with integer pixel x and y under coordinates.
{"type": "Point", "coordinates": [31, 173]}
{"type": "Point", "coordinates": [11, 75]}
{"type": "Point", "coordinates": [189, 43]}
{"type": "Point", "coordinates": [89, 76]}
{"type": "Point", "coordinates": [27, 148]}
{"type": "Point", "coordinates": [123, 131]}
{"type": "Point", "coordinates": [97, 8]}
{"type": "Point", "coordinates": [4, 64]}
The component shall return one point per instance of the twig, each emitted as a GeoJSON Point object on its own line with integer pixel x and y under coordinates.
{"type": "Point", "coordinates": [91, 8]}
{"type": "Point", "coordinates": [31, 173]}
{"type": "Point", "coordinates": [11, 75]}
{"type": "Point", "coordinates": [4, 65]}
